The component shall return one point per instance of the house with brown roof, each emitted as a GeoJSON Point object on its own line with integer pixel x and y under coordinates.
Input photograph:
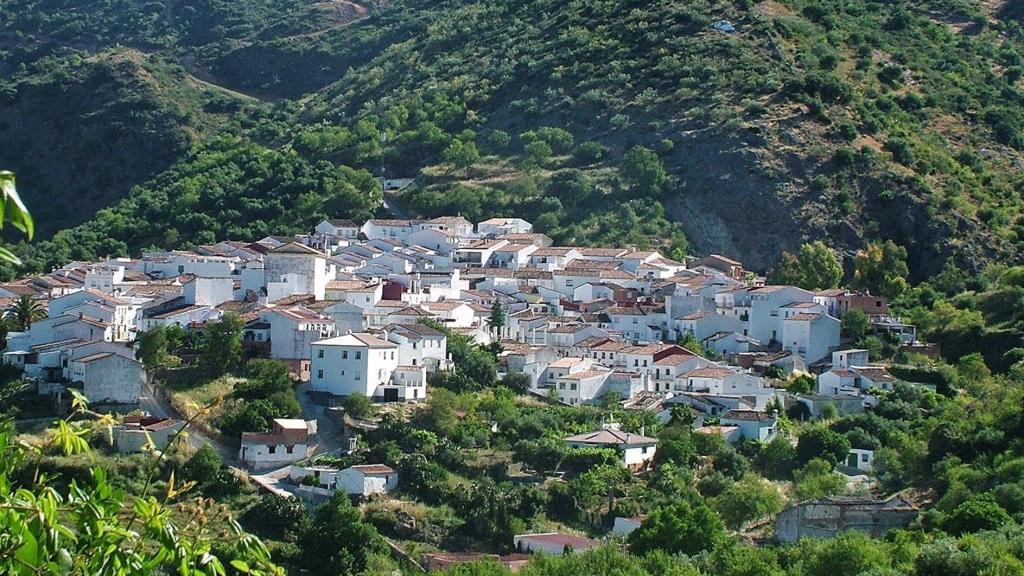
{"type": "Point", "coordinates": [637, 450]}
{"type": "Point", "coordinates": [552, 543]}
{"type": "Point", "coordinates": [108, 378]}
{"type": "Point", "coordinates": [289, 440]}
{"type": "Point", "coordinates": [137, 432]}
{"type": "Point", "coordinates": [753, 424]}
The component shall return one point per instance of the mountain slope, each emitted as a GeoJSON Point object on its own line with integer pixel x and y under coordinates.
{"type": "Point", "coordinates": [859, 120]}
{"type": "Point", "coordinates": [850, 121]}
{"type": "Point", "coordinates": [81, 135]}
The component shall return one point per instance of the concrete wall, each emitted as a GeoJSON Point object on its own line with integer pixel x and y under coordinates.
{"type": "Point", "coordinates": [114, 379]}
{"type": "Point", "coordinates": [820, 519]}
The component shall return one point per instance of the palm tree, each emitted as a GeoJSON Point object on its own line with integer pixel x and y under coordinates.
{"type": "Point", "coordinates": [24, 311]}
{"type": "Point", "coordinates": [6, 327]}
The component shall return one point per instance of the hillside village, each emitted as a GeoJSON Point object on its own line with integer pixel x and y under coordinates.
{"type": "Point", "coordinates": [367, 309]}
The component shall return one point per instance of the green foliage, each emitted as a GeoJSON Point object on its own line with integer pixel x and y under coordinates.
{"type": "Point", "coordinates": [816, 268]}
{"type": "Point", "coordinates": [47, 527]}
{"type": "Point", "coordinates": [802, 384]}
{"type": "Point", "coordinates": [816, 479]}
{"type": "Point", "coordinates": [819, 442]}
{"type": "Point", "coordinates": [976, 514]}
{"type": "Point", "coordinates": [152, 348]}
{"type": "Point", "coordinates": [264, 378]}
{"type": "Point", "coordinates": [642, 172]}
{"type": "Point", "coordinates": [358, 406]}
{"type": "Point", "coordinates": [461, 155]}
{"type": "Point", "coordinates": [748, 500]}
{"type": "Point", "coordinates": [25, 310]}
{"type": "Point", "coordinates": [590, 152]}
{"type": "Point", "coordinates": [222, 344]}
{"type": "Point", "coordinates": [474, 366]}
{"type": "Point", "coordinates": [882, 269]}
{"type": "Point", "coordinates": [13, 211]}
{"type": "Point", "coordinates": [856, 324]}
{"type": "Point", "coordinates": [337, 541]}
{"type": "Point", "coordinates": [777, 459]}
{"type": "Point", "coordinates": [688, 526]}
{"type": "Point", "coordinates": [229, 188]}
{"type": "Point", "coordinates": [276, 517]}
{"type": "Point", "coordinates": [496, 321]}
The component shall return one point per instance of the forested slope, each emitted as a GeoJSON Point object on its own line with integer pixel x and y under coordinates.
{"type": "Point", "coordinates": [603, 121]}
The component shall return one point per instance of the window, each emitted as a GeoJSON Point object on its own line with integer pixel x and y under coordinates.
{"type": "Point", "coordinates": [392, 354]}
{"type": "Point", "coordinates": [359, 354]}
{"type": "Point", "coordinates": [344, 354]}
{"type": "Point", "coordinates": [572, 386]}
{"type": "Point", "coordinates": [289, 449]}
{"type": "Point", "coordinates": [320, 353]}
{"type": "Point", "coordinates": [272, 449]}
{"type": "Point", "coordinates": [413, 361]}
{"type": "Point", "coordinates": [320, 374]}
{"type": "Point", "coordinates": [644, 450]}
{"type": "Point", "coordinates": [359, 376]}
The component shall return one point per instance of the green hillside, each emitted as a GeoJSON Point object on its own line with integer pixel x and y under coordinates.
{"type": "Point", "coordinates": [602, 121]}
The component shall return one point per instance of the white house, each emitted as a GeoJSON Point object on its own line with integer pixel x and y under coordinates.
{"type": "Point", "coordinates": [368, 479]}
{"type": "Point", "coordinates": [861, 459]}
{"type": "Point", "coordinates": [582, 387]}
{"type": "Point", "coordinates": [293, 268]}
{"type": "Point", "coordinates": [293, 330]}
{"type": "Point", "coordinates": [419, 345]}
{"type": "Point", "coordinates": [364, 480]}
{"type": "Point", "coordinates": [512, 255]}
{"type": "Point", "coordinates": [289, 441]}
{"type": "Point", "coordinates": [183, 316]}
{"type": "Point", "coordinates": [766, 303]}
{"type": "Point", "coordinates": [837, 381]}
{"type": "Point", "coordinates": [705, 324]}
{"type": "Point", "coordinates": [453, 313]}
{"type": "Point", "coordinates": [727, 343]}
{"type": "Point", "coordinates": [347, 317]}
{"type": "Point", "coordinates": [456, 225]}
{"type": "Point", "coordinates": [753, 424]}
{"type": "Point", "coordinates": [849, 357]}
{"type": "Point", "coordinates": [359, 363]}
{"type": "Point", "coordinates": [637, 450]}
{"type": "Point", "coordinates": [501, 226]}
{"type": "Point", "coordinates": [107, 377]}
{"type": "Point", "coordinates": [136, 432]}
{"type": "Point", "coordinates": [359, 293]}
{"type": "Point", "coordinates": [335, 232]}
{"type": "Point", "coordinates": [479, 253]}
{"type": "Point", "coordinates": [397, 229]}
{"type": "Point", "coordinates": [441, 241]}
{"type": "Point", "coordinates": [553, 257]}
{"type": "Point", "coordinates": [873, 377]}
{"type": "Point", "coordinates": [810, 335]}
{"type": "Point", "coordinates": [207, 291]}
